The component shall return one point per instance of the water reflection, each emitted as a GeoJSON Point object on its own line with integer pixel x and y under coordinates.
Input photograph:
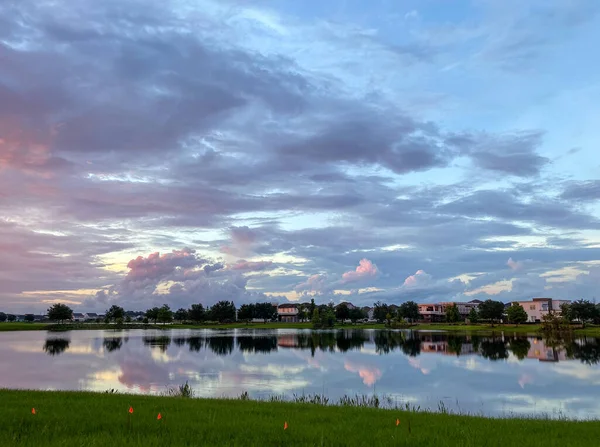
{"type": "Point", "coordinates": [412, 344]}
{"type": "Point", "coordinates": [113, 343]}
{"type": "Point", "coordinates": [56, 346]}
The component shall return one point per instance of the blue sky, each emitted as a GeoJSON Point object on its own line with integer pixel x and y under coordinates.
{"type": "Point", "coordinates": [187, 152]}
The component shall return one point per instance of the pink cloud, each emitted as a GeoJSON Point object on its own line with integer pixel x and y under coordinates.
{"type": "Point", "coordinates": [369, 374]}
{"type": "Point", "coordinates": [514, 265]}
{"type": "Point", "coordinates": [243, 240]}
{"type": "Point", "coordinates": [157, 266]}
{"type": "Point", "coordinates": [314, 283]}
{"type": "Point", "coordinates": [419, 278]}
{"type": "Point", "coordinates": [244, 265]}
{"type": "Point", "coordinates": [365, 270]}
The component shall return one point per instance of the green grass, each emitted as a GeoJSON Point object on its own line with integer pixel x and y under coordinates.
{"type": "Point", "coordinates": [476, 328]}
{"type": "Point", "coordinates": [87, 419]}
{"type": "Point", "coordinates": [6, 327]}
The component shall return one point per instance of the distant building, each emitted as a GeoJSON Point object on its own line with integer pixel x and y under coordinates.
{"type": "Point", "coordinates": [288, 313]}
{"type": "Point", "coordinates": [538, 307]}
{"type": "Point", "coordinates": [436, 312]}
{"type": "Point", "coordinates": [79, 317]}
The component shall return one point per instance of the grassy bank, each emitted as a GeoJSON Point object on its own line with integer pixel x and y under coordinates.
{"type": "Point", "coordinates": [69, 419]}
{"type": "Point", "coordinates": [463, 328]}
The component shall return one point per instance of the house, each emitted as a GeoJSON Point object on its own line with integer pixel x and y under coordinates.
{"type": "Point", "coordinates": [436, 312]}
{"type": "Point", "coordinates": [369, 312]}
{"type": "Point", "coordinates": [288, 313]}
{"type": "Point", "coordinates": [538, 307]}
{"type": "Point", "coordinates": [92, 316]}
{"type": "Point", "coordinates": [79, 317]}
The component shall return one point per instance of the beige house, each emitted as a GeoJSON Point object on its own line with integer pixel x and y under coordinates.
{"type": "Point", "coordinates": [538, 307]}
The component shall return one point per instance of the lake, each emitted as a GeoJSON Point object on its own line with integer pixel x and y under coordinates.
{"type": "Point", "coordinates": [499, 376]}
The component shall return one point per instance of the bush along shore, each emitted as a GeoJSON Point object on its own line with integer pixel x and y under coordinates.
{"type": "Point", "coordinates": [37, 418]}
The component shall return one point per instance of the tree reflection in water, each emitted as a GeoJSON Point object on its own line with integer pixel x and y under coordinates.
{"type": "Point", "coordinates": [410, 343]}
{"type": "Point", "coordinates": [56, 346]}
{"type": "Point", "coordinates": [113, 343]}
{"type": "Point", "coordinates": [161, 342]}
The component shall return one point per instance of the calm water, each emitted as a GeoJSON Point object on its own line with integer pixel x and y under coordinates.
{"type": "Point", "coordinates": [492, 376]}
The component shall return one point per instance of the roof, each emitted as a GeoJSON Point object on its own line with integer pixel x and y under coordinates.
{"type": "Point", "coordinates": [76, 314]}
{"type": "Point", "coordinates": [285, 306]}
{"type": "Point", "coordinates": [92, 314]}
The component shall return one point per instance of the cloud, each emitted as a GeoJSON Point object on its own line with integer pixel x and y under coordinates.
{"type": "Point", "coordinates": [582, 191]}
{"type": "Point", "coordinates": [244, 265]}
{"type": "Point", "coordinates": [365, 270]}
{"type": "Point", "coordinates": [314, 283]}
{"type": "Point", "coordinates": [514, 265]}
{"type": "Point", "coordinates": [418, 279]}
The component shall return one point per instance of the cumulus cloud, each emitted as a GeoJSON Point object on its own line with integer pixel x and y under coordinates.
{"type": "Point", "coordinates": [314, 283]}
{"type": "Point", "coordinates": [365, 270]}
{"type": "Point", "coordinates": [420, 278]}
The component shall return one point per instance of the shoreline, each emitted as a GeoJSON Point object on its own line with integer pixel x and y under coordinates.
{"type": "Point", "coordinates": [100, 419]}
{"type": "Point", "coordinates": [528, 329]}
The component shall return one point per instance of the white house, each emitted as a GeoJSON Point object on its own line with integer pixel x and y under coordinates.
{"type": "Point", "coordinates": [538, 307]}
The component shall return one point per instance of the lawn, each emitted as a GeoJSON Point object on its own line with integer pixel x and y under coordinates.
{"type": "Point", "coordinates": [22, 327]}
{"type": "Point", "coordinates": [87, 419]}
{"type": "Point", "coordinates": [465, 328]}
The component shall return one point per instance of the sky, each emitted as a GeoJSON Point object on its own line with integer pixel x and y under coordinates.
{"type": "Point", "coordinates": [186, 152]}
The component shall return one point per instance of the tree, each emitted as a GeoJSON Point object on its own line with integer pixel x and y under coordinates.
{"type": "Point", "coordinates": [115, 312]}
{"type": "Point", "coordinates": [342, 312]}
{"type": "Point", "coordinates": [583, 310]}
{"type": "Point", "coordinates": [329, 319]}
{"type": "Point", "coordinates": [316, 318]}
{"type": "Point", "coordinates": [165, 314]}
{"type": "Point", "coordinates": [196, 313]}
{"type": "Point", "coordinates": [11, 318]}
{"type": "Point", "coordinates": [491, 310]}
{"type": "Point", "coordinates": [181, 315]}
{"type": "Point", "coordinates": [357, 314]}
{"type": "Point", "coordinates": [473, 316]}
{"type": "Point", "coordinates": [452, 314]}
{"type": "Point", "coordinates": [59, 313]}
{"type": "Point", "coordinates": [409, 311]}
{"type": "Point", "coordinates": [127, 319]}
{"type": "Point", "coordinates": [223, 311]}
{"type": "Point", "coordinates": [516, 314]}
{"type": "Point", "coordinates": [265, 311]}
{"type": "Point", "coordinates": [311, 308]}
{"type": "Point", "coordinates": [566, 312]}
{"type": "Point", "coordinates": [380, 311]}
{"type": "Point", "coordinates": [3, 317]}
{"type": "Point", "coordinates": [246, 312]}
{"type": "Point", "coordinates": [152, 314]}
{"type": "Point", "coordinates": [29, 318]}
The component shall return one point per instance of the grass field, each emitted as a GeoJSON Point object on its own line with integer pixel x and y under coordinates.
{"type": "Point", "coordinates": [86, 419]}
{"type": "Point", "coordinates": [477, 328]}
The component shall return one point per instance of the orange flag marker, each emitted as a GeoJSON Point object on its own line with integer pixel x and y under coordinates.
{"type": "Point", "coordinates": [130, 410]}
{"type": "Point", "coordinates": [33, 411]}
{"type": "Point", "coordinates": [159, 417]}
{"type": "Point", "coordinates": [397, 422]}
{"type": "Point", "coordinates": [285, 426]}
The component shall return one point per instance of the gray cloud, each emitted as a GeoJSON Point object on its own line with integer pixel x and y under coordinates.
{"type": "Point", "coordinates": [584, 191]}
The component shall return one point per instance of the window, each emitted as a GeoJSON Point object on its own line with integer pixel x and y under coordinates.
{"type": "Point", "coordinates": [532, 307]}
